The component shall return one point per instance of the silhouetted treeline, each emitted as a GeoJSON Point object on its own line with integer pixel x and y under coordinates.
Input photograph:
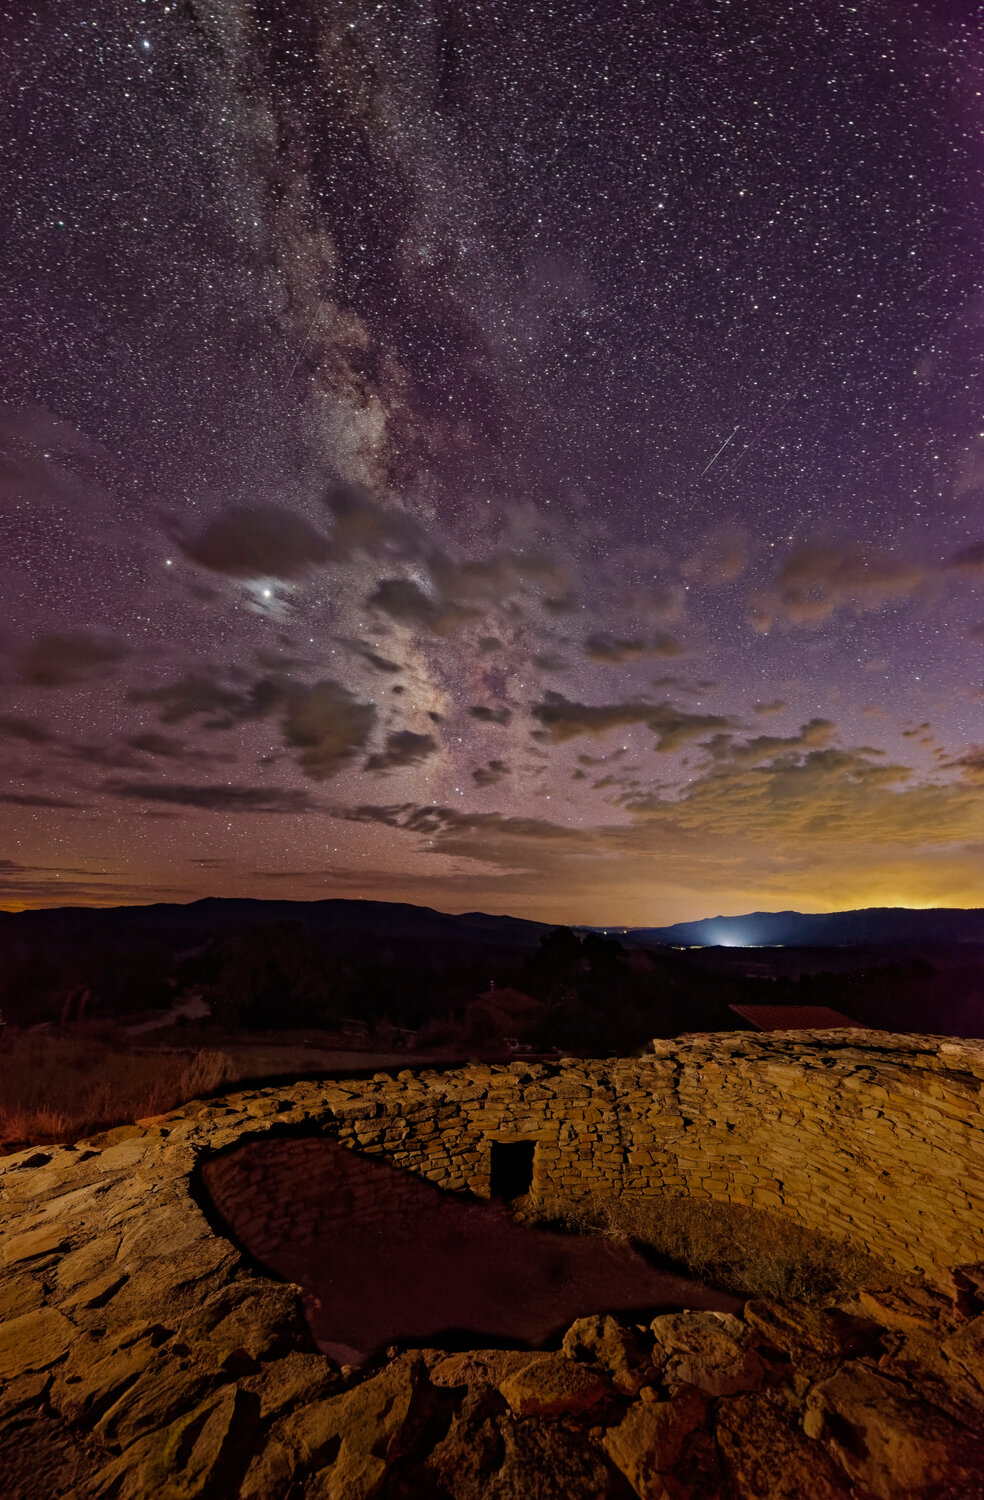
{"type": "Point", "coordinates": [457, 983]}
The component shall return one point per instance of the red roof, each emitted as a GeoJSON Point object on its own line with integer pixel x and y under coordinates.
{"type": "Point", "coordinates": [793, 1017]}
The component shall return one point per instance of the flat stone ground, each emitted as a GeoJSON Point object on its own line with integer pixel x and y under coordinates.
{"type": "Point", "coordinates": [384, 1258]}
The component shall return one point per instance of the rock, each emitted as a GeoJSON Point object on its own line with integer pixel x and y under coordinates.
{"type": "Point", "coordinates": [93, 1376]}
{"type": "Point", "coordinates": [348, 1442]}
{"type": "Point", "coordinates": [25, 1391]}
{"type": "Point", "coordinates": [888, 1442]}
{"type": "Point", "coordinates": [89, 1261]}
{"type": "Point", "coordinates": [802, 1331]}
{"type": "Point", "coordinates": [33, 1341]}
{"type": "Point", "coordinates": [292, 1381]}
{"type": "Point", "coordinates": [713, 1351]}
{"type": "Point", "coordinates": [603, 1342]}
{"type": "Point", "coordinates": [19, 1294]}
{"type": "Point", "coordinates": [908, 1309]}
{"type": "Point", "coordinates": [31, 1245]}
{"type": "Point", "coordinates": [767, 1455]}
{"type": "Point", "coordinates": [966, 1350]}
{"type": "Point", "coordinates": [479, 1367]}
{"type": "Point", "coordinates": [253, 1319]}
{"type": "Point", "coordinates": [164, 1389]}
{"type": "Point", "coordinates": [551, 1384]}
{"type": "Point", "coordinates": [202, 1452]}
{"type": "Point", "coordinates": [95, 1293]}
{"type": "Point", "coordinates": [648, 1442]}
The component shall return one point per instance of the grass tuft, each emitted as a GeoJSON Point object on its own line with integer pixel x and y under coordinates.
{"type": "Point", "coordinates": [752, 1252]}
{"type": "Point", "coordinates": [56, 1087]}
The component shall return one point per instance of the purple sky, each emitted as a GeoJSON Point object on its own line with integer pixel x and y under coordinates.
{"type": "Point", "coordinates": [511, 456]}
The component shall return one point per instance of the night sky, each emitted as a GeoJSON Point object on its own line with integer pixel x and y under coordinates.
{"type": "Point", "coordinates": [526, 457]}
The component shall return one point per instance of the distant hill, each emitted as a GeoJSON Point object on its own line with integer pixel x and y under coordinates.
{"type": "Point", "coordinates": [343, 925]}
{"type": "Point", "coordinates": [882, 925]}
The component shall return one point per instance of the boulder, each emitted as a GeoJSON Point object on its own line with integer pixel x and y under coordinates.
{"type": "Point", "coordinates": [965, 1350]}
{"type": "Point", "coordinates": [767, 1455]}
{"type": "Point", "coordinates": [551, 1384]}
{"type": "Point", "coordinates": [890, 1443]}
{"type": "Point", "coordinates": [604, 1343]}
{"type": "Point", "coordinates": [713, 1351]}
{"type": "Point", "coordinates": [647, 1444]}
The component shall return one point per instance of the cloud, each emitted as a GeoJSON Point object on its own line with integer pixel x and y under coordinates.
{"type": "Point", "coordinates": [491, 773]}
{"type": "Point", "coordinates": [403, 748]}
{"type": "Point", "coordinates": [607, 648]}
{"type": "Point", "coordinates": [221, 798]}
{"type": "Point", "coordinates": [262, 541]}
{"type": "Point", "coordinates": [491, 715]}
{"type": "Point", "coordinates": [673, 727]}
{"type": "Point", "coordinates": [969, 562]}
{"type": "Point", "coordinates": [329, 727]}
{"type": "Point", "coordinates": [494, 579]}
{"type": "Point", "coordinates": [404, 601]}
{"type": "Point", "coordinates": [30, 731]}
{"type": "Point", "coordinates": [776, 706]}
{"type": "Point", "coordinates": [56, 661]}
{"type": "Point", "coordinates": [198, 696]}
{"type": "Point", "coordinates": [816, 734]}
{"type": "Point", "coordinates": [35, 799]}
{"type": "Point", "coordinates": [818, 579]}
{"type": "Point", "coordinates": [970, 765]}
{"type": "Point", "coordinates": [976, 632]}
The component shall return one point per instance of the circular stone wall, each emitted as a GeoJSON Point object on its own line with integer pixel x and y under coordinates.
{"type": "Point", "coordinates": [140, 1335]}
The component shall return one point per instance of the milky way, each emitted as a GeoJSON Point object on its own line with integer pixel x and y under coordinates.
{"type": "Point", "coordinates": [518, 456]}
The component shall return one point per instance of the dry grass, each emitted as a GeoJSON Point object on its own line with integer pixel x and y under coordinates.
{"type": "Point", "coordinates": [57, 1087]}
{"type": "Point", "coordinates": [749, 1251]}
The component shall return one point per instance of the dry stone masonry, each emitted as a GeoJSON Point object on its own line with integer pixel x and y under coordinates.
{"type": "Point", "coordinates": [141, 1354]}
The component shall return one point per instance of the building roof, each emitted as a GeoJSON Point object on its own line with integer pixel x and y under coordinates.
{"type": "Point", "coordinates": [793, 1017]}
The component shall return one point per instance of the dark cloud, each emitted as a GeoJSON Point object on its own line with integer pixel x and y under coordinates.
{"type": "Point", "coordinates": [969, 561]}
{"type": "Point", "coordinates": [404, 748]}
{"type": "Point", "coordinates": [363, 525]}
{"type": "Point", "coordinates": [55, 661]}
{"type": "Point", "coordinates": [491, 715]}
{"type": "Point", "coordinates": [263, 541]}
{"type": "Point", "coordinates": [328, 726]}
{"type": "Point", "coordinates": [31, 731]}
{"type": "Point", "coordinates": [221, 799]}
{"type": "Point", "coordinates": [673, 727]}
{"type": "Point", "coordinates": [33, 799]}
{"type": "Point", "coordinates": [404, 601]}
{"type": "Point", "coordinates": [609, 648]}
{"type": "Point", "coordinates": [776, 706]}
{"type": "Point", "coordinates": [816, 734]}
{"type": "Point", "coordinates": [211, 699]}
{"type": "Point", "coordinates": [432, 821]}
{"type": "Point", "coordinates": [976, 632]}
{"type": "Point", "coordinates": [489, 774]}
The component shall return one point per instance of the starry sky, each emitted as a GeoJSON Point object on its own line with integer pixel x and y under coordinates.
{"type": "Point", "coordinates": [518, 456]}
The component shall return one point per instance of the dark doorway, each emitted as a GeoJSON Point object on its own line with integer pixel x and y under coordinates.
{"type": "Point", "coordinates": [511, 1168]}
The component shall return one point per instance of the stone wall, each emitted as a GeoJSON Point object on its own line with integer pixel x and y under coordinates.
{"type": "Point", "coordinates": [876, 1137]}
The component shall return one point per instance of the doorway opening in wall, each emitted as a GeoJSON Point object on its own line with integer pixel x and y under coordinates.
{"type": "Point", "coordinates": [511, 1168]}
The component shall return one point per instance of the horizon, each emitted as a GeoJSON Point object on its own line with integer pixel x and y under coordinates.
{"type": "Point", "coordinates": [528, 467]}
{"type": "Point", "coordinates": [477, 912]}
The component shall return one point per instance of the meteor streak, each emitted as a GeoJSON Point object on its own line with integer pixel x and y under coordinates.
{"type": "Point", "coordinates": [717, 455]}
